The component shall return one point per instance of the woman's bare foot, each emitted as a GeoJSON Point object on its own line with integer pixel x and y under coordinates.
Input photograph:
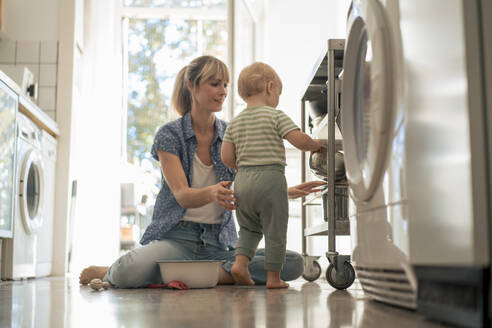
{"type": "Point", "coordinates": [274, 281]}
{"type": "Point", "coordinates": [225, 278]}
{"type": "Point", "coordinates": [240, 272]}
{"type": "Point", "coordinates": [92, 272]}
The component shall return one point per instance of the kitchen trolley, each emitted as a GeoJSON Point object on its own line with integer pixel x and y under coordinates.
{"type": "Point", "coordinates": [322, 99]}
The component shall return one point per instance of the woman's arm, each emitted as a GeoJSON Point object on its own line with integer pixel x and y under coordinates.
{"type": "Point", "coordinates": [228, 154]}
{"type": "Point", "coordinates": [305, 189]}
{"type": "Point", "coordinates": [193, 197]}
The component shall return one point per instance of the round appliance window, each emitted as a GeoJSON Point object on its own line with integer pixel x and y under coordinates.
{"type": "Point", "coordinates": [367, 98]}
{"type": "Point", "coordinates": [33, 191]}
{"type": "Point", "coordinates": [362, 111]}
{"type": "Point", "coordinates": [31, 184]}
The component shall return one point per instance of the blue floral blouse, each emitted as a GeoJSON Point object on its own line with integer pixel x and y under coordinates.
{"type": "Point", "coordinates": [178, 138]}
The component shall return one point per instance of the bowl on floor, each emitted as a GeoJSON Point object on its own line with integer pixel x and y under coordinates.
{"type": "Point", "coordinates": [195, 274]}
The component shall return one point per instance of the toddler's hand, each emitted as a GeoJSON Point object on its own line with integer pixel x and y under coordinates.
{"type": "Point", "coordinates": [320, 146]}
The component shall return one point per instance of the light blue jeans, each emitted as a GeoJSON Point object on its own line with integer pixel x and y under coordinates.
{"type": "Point", "coordinates": [189, 241]}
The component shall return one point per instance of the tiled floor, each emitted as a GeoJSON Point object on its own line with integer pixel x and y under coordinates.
{"type": "Point", "coordinates": [62, 302]}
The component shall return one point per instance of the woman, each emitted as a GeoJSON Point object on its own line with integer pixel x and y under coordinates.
{"type": "Point", "coordinates": [192, 217]}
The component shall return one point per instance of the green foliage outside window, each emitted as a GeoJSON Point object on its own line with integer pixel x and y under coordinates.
{"type": "Point", "coordinates": [157, 50]}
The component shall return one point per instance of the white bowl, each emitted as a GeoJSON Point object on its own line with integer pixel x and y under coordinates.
{"type": "Point", "coordinates": [195, 274]}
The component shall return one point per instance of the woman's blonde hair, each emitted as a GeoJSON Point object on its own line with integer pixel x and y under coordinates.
{"type": "Point", "coordinates": [253, 79]}
{"type": "Point", "coordinates": [201, 69]}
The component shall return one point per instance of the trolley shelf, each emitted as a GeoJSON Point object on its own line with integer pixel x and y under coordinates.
{"type": "Point", "coordinates": [310, 201]}
{"type": "Point", "coordinates": [342, 228]}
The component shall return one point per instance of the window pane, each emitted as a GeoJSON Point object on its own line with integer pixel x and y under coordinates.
{"type": "Point", "coordinates": [243, 46]}
{"type": "Point", "coordinates": [215, 36]}
{"type": "Point", "coordinates": [157, 50]}
{"type": "Point", "coordinates": [202, 4]}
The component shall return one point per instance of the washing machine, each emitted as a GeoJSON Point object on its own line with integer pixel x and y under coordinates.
{"type": "Point", "coordinates": [416, 111]}
{"type": "Point", "coordinates": [8, 112]}
{"type": "Point", "coordinates": [19, 254]}
{"type": "Point", "coordinates": [448, 58]}
{"type": "Point", "coordinates": [374, 122]}
{"type": "Point", "coordinates": [44, 259]}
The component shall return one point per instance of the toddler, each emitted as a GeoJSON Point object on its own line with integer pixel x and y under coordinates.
{"type": "Point", "coordinates": [253, 145]}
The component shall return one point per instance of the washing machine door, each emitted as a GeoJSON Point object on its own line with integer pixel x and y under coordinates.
{"type": "Point", "coordinates": [8, 110]}
{"type": "Point", "coordinates": [367, 97]}
{"type": "Point", "coordinates": [31, 187]}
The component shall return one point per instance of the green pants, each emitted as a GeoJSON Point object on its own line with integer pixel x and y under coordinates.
{"type": "Point", "coordinates": [263, 209]}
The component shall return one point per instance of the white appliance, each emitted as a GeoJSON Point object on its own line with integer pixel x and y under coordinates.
{"type": "Point", "coordinates": [8, 111]}
{"type": "Point", "coordinates": [45, 232]}
{"type": "Point", "coordinates": [417, 151]}
{"type": "Point", "coordinates": [374, 126]}
{"type": "Point", "coordinates": [448, 55]}
{"type": "Point", "coordinates": [19, 253]}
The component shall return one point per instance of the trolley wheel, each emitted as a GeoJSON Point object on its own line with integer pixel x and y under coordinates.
{"type": "Point", "coordinates": [313, 272]}
{"type": "Point", "coordinates": [343, 281]}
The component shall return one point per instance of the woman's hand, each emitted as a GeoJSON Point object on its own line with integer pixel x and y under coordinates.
{"type": "Point", "coordinates": [222, 196]}
{"type": "Point", "coordinates": [193, 197]}
{"type": "Point", "coordinates": [305, 189]}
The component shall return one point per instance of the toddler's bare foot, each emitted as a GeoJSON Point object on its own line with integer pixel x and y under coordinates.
{"type": "Point", "coordinates": [277, 284]}
{"type": "Point", "coordinates": [92, 272]}
{"type": "Point", "coordinates": [241, 275]}
{"type": "Point", "coordinates": [274, 281]}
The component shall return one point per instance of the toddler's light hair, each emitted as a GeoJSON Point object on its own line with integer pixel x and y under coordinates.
{"type": "Point", "coordinates": [253, 79]}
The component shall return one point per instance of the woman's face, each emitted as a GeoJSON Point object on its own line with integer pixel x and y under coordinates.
{"type": "Point", "coordinates": [210, 95]}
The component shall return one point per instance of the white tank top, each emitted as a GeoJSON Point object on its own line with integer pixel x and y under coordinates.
{"type": "Point", "coordinates": [203, 176]}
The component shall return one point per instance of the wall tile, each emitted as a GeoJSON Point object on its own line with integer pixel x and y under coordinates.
{"type": "Point", "coordinates": [13, 71]}
{"type": "Point", "coordinates": [49, 52]}
{"type": "Point", "coordinates": [7, 52]}
{"type": "Point", "coordinates": [27, 52]}
{"type": "Point", "coordinates": [47, 75]}
{"type": "Point", "coordinates": [16, 72]}
{"type": "Point", "coordinates": [47, 98]}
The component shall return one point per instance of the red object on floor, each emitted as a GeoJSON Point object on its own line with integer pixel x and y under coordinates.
{"type": "Point", "coordinates": [175, 284]}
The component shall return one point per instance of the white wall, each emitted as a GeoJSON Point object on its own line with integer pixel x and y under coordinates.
{"type": "Point", "coordinates": [97, 136]}
{"type": "Point", "coordinates": [32, 28]}
{"type": "Point", "coordinates": [295, 34]}
{"type": "Point", "coordinates": [31, 19]}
